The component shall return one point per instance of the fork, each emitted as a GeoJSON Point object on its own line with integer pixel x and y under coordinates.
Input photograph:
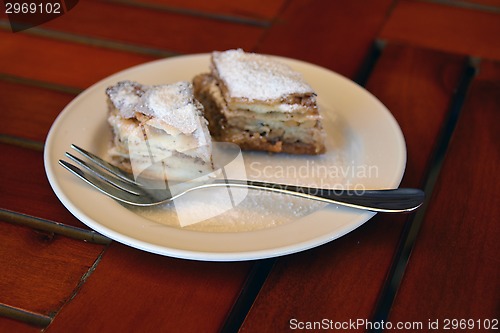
{"type": "Point", "coordinates": [122, 187]}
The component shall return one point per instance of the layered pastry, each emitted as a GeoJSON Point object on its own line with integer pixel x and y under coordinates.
{"type": "Point", "coordinates": [259, 103]}
{"type": "Point", "coordinates": [158, 131]}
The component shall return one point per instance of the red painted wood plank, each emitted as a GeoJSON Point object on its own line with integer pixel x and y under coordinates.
{"type": "Point", "coordinates": [24, 187]}
{"type": "Point", "coordinates": [11, 325]}
{"type": "Point", "coordinates": [342, 280]}
{"type": "Point", "coordinates": [259, 10]}
{"type": "Point", "coordinates": [53, 61]}
{"type": "Point", "coordinates": [30, 111]}
{"type": "Point", "coordinates": [454, 270]}
{"type": "Point", "coordinates": [417, 91]}
{"type": "Point", "coordinates": [141, 292]}
{"type": "Point", "coordinates": [40, 271]}
{"type": "Point", "coordinates": [448, 28]}
{"type": "Point", "coordinates": [159, 29]}
{"type": "Point", "coordinates": [333, 34]}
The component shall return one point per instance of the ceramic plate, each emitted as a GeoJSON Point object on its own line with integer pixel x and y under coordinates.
{"type": "Point", "coordinates": [365, 149]}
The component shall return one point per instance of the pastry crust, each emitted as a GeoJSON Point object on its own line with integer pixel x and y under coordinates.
{"type": "Point", "coordinates": [259, 104]}
{"type": "Point", "coordinates": [158, 131]}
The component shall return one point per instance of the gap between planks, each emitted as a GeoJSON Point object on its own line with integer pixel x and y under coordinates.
{"type": "Point", "coordinates": [92, 41]}
{"type": "Point", "coordinates": [20, 141]}
{"type": "Point", "coordinates": [43, 321]}
{"type": "Point", "coordinates": [414, 222]}
{"type": "Point", "coordinates": [467, 5]}
{"type": "Point", "coordinates": [54, 227]}
{"type": "Point", "coordinates": [27, 317]}
{"type": "Point", "coordinates": [196, 13]}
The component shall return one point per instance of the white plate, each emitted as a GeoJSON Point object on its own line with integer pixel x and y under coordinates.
{"type": "Point", "coordinates": [365, 147]}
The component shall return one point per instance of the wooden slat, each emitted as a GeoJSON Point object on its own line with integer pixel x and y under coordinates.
{"type": "Point", "coordinates": [454, 269]}
{"type": "Point", "coordinates": [342, 280]}
{"type": "Point", "coordinates": [258, 10]}
{"type": "Point", "coordinates": [141, 292]}
{"type": "Point", "coordinates": [40, 271]}
{"type": "Point", "coordinates": [30, 111]}
{"type": "Point", "coordinates": [163, 30]}
{"type": "Point", "coordinates": [416, 85]}
{"type": "Point", "coordinates": [64, 63]}
{"type": "Point", "coordinates": [11, 325]}
{"type": "Point", "coordinates": [24, 187]}
{"type": "Point", "coordinates": [447, 28]}
{"type": "Point", "coordinates": [334, 34]}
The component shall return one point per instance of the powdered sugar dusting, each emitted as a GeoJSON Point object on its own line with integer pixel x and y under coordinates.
{"type": "Point", "coordinates": [259, 210]}
{"type": "Point", "coordinates": [174, 104]}
{"type": "Point", "coordinates": [257, 77]}
{"type": "Point", "coordinates": [125, 95]}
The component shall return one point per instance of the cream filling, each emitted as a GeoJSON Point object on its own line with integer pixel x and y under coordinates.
{"type": "Point", "coordinates": [287, 127]}
{"type": "Point", "coordinates": [156, 152]}
{"type": "Point", "coordinates": [263, 108]}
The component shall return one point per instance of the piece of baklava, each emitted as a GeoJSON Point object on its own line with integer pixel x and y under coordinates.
{"type": "Point", "coordinates": [158, 131]}
{"type": "Point", "coordinates": [259, 103]}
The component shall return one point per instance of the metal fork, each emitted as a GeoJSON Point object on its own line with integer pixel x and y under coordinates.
{"type": "Point", "coordinates": [122, 186]}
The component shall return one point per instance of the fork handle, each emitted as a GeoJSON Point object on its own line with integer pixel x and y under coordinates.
{"type": "Point", "coordinates": [389, 201]}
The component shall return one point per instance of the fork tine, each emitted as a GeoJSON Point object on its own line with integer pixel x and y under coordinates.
{"type": "Point", "coordinates": [105, 165]}
{"type": "Point", "coordinates": [108, 178]}
{"type": "Point", "coordinates": [100, 185]}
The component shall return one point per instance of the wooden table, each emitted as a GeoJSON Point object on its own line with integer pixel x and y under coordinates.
{"type": "Point", "coordinates": [434, 64]}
